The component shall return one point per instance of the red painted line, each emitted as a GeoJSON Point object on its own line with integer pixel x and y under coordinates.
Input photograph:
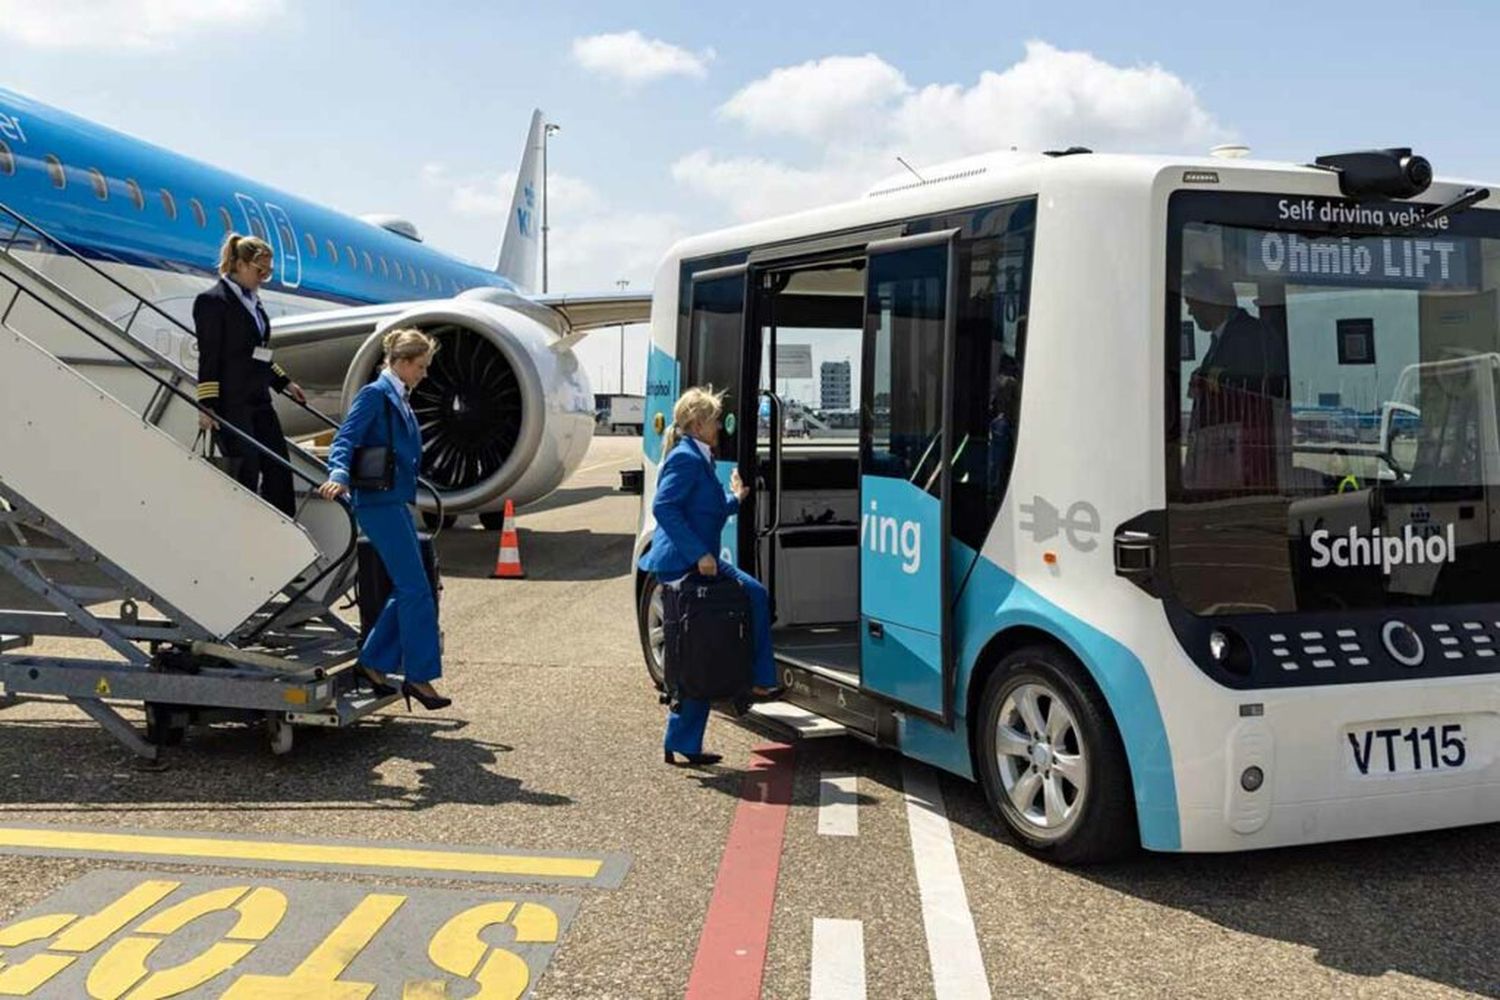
{"type": "Point", "coordinates": [731, 955]}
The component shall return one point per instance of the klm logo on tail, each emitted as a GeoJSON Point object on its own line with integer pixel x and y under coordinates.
{"type": "Point", "coordinates": [526, 212]}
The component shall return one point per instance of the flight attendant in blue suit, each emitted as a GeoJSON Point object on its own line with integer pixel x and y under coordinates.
{"type": "Point", "coordinates": [405, 636]}
{"type": "Point", "coordinates": [691, 508]}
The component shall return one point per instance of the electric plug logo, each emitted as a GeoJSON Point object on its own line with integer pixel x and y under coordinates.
{"type": "Point", "coordinates": [1042, 521]}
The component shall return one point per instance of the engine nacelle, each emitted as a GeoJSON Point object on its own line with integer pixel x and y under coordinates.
{"type": "Point", "coordinates": [506, 411]}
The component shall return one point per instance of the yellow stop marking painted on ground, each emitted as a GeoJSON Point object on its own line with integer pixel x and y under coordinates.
{"type": "Point", "coordinates": [331, 856]}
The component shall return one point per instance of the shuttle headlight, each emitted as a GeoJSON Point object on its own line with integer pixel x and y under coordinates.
{"type": "Point", "coordinates": [1229, 651]}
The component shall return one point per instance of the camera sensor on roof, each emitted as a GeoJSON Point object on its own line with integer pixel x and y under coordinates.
{"type": "Point", "coordinates": [1379, 173]}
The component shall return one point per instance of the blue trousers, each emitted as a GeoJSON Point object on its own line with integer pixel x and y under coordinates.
{"type": "Point", "coordinates": [686, 725]}
{"type": "Point", "coordinates": [405, 637]}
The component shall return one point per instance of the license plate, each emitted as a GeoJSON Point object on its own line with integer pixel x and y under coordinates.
{"type": "Point", "coordinates": [1407, 747]}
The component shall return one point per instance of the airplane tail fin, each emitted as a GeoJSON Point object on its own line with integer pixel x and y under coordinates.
{"type": "Point", "coordinates": [520, 251]}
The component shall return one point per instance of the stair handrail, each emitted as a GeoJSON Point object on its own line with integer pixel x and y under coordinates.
{"type": "Point", "coordinates": [243, 436]}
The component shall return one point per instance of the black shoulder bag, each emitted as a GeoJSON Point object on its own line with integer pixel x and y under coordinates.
{"type": "Point", "coordinates": [375, 465]}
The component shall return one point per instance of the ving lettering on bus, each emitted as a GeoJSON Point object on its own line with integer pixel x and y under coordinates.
{"type": "Point", "coordinates": [10, 128]}
{"type": "Point", "coordinates": [1412, 547]}
{"type": "Point", "coordinates": [1344, 214]}
{"type": "Point", "coordinates": [888, 536]}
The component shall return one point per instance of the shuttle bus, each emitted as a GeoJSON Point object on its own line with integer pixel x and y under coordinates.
{"type": "Point", "coordinates": [1166, 517]}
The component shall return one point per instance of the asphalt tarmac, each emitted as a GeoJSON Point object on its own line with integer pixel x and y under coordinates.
{"type": "Point", "coordinates": [552, 747]}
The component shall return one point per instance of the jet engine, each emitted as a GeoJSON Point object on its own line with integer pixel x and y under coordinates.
{"type": "Point", "coordinates": [506, 411]}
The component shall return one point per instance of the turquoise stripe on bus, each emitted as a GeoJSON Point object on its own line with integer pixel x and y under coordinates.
{"type": "Point", "coordinates": [994, 600]}
{"type": "Point", "coordinates": [661, 394]}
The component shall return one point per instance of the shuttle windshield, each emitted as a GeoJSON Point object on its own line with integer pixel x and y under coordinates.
{"type": "Point", "coordinates": [1333, 424]}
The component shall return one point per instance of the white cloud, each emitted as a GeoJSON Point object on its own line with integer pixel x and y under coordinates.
{"type": "Point", "coordinates": [129, 24]}
{"type": "Point", "coordinates": [817, 97]}
{"type": "Point", "coordinates": [591, 242]}
{"type": "Point", "coordinates": [861, 113]}
{"type": "Point", "coordinates": [634, 58]}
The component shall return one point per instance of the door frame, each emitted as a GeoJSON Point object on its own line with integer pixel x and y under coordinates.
{"type": "Point", "coordinates": [948, 667]}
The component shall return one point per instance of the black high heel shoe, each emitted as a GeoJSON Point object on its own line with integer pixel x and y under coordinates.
{"type": "Point", "coordinates": [767, 694]}
{"type": "Point", "coordinates": [380, 689]}
{"type": "Point", "coordinates": [431, 702]}
{"type": "Point", "coordinates": [696, 759]}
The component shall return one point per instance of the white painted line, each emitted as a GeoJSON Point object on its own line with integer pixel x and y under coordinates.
{"type": "Point", "coordinates": [838, 805]}
{"type": "Point", "coordinates": [952, 945]}
{"type": "Point", "coordinates": [621, 462]}
{"type": "Point", "coordinates": [838, 960]}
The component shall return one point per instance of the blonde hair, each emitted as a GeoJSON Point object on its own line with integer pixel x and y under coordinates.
{"type": "Point", "coordinates": [239, 249]}
{"type": "Point", "coordinates": [696, 404]}
{"type": "Point", "coordinates": [405, 343]}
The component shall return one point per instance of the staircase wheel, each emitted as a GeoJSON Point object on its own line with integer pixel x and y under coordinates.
{"type": "Point", "coordinates": [279, 733]}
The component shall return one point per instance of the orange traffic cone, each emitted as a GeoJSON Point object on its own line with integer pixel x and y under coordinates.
{"type": "Point", "coordinates": [508, 561]}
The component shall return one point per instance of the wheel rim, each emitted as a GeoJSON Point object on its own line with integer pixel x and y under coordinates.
{"type": "Point", "coordinates": [656, 635]}
{"type": "Point", "coordinates": [1042, 759]}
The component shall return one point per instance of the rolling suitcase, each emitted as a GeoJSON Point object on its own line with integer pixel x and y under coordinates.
{"type": "Point", "coordinates": [372, 584]}
{"type": "Point", "coordinates": [708, 648]}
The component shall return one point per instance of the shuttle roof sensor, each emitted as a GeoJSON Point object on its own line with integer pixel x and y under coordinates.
{"type": "Point", "coordinates": [1229, 151]}
{"type": "Point", "coordinates": [1379, 173]}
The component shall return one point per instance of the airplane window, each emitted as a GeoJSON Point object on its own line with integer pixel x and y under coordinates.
{"type": "Point", "coordinates": [226, 220]}
{"type": "Point", "coordinates": [411, 274]}
{"type": "Point", "coordinates": [199, 216]}
{"type": "Point", "coordinates": [353, 261]}
{"type": "Point", "coordinates": [101, 186]}
{"type": "Point", "coordinates": [136, 197]}
{"type": "Point", "coordinates": [312, 244]}
{"type": "Point", "coordinates": [426, 281]}
{"type": "Point", "coordinates": [385, 268]}
{"type": "Point", "coordinates": [169, 204]}
{"type": "Point", "coordinates": [7, 160]}
{"type": "Point", "coordinates": [369, 264]}
{"type": "Point", "coordinates": [56, 172]}
{"type": "Point", "coordinates": [453, 285]}
{"type": "Point", "coordinates": [333, 251]}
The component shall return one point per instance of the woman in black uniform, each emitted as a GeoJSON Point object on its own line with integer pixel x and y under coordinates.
{"type": "Point", "coordinates": [235, 370]}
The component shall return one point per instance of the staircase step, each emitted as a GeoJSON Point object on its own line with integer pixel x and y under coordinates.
{"type": "Point", "coordinates": [804, 724]}
{"type": "Point", "coordinates": [9, 642]}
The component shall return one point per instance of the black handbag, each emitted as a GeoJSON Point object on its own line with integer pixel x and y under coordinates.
{"type": "Point", "coordinates": [706, 621]}
{"type": "Point", "coordinates": [375, 465]}
{"type": "Point", "coordinates": [209, 447]}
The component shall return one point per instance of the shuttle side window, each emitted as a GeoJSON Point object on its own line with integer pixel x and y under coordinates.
{"type": "Point", "coordinates": [7, 160]}
{"type": "Point", "coordinates": [101, 186]}
{"type": "Point", "coordinates": [169, 204]}
{"type": "Point", "coordinates": [993, 256]}
{"type": "Point", "coordinates": [137, 198]}
{"type": "Point", "coordinates": [199, 216]}
{"type": "Point", "coordinates": [312, 244]}
{"type": "Point", "coordinates": [55, 171]}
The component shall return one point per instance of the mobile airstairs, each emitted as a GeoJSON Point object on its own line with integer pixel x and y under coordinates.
{"type": "Point", "coordinates": [186, 593]}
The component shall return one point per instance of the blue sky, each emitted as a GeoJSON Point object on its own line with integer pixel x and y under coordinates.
{"type": "Point", "coordinates": [710, 113]}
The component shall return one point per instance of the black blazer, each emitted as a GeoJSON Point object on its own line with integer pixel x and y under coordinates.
{"type": "Point", "coordinates": [229, 377]}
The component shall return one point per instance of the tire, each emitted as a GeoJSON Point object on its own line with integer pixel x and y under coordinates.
{"type": "Point", "coordinates": [492, 520]}
{"type": "Point", "coordinates": [1067, 797]}
{"type": "Point", "coordinates": [166, 725]}
{"type": "Point", "coordinates": [430, 520]}
{"type": "Point", "coordinates": [648, 622]}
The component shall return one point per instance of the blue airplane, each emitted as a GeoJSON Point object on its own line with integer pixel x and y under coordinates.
{"type": "Point", "coordinates": [507, 410]}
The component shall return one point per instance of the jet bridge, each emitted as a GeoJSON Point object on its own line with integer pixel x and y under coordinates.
{"type": "Point", "coordinates": [206, 603]}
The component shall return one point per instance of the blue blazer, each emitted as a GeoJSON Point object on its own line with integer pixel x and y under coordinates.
{"type": "Point", "coordinates": [364, 425]}
{"type": "Point", "coordinates": [690, 508]}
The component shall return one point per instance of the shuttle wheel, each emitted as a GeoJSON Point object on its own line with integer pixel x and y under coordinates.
{"type": "Point", "coordinates": [1051, 759]}
{"type": "Point", "coordinates": [653, 633]}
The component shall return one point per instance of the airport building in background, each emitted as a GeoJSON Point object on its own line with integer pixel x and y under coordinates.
{"type": "Point", "coordinates": [835, 393]}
